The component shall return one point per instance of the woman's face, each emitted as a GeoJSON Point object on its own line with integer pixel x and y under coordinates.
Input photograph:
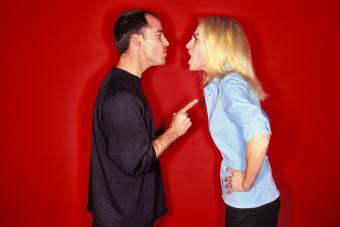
{"type": "Point", "coordinates": [196, 51]}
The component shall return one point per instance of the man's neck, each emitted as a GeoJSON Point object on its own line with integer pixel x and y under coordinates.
{"type": "Point", "coordinates": [131, 65]}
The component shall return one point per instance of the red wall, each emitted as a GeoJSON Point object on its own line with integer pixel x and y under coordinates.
{"type": "Point", "coordinates": [54, 54]}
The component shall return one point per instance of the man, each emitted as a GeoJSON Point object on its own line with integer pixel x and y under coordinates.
{"type": "Point", "coordinates": [126, 187]}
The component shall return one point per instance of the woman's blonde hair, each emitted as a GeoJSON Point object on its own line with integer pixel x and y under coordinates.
{"type": "Point", "coordinates": [227, 50]}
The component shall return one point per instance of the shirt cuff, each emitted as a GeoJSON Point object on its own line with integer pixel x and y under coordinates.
{"type": "Point", "coordinates": [255, 128]}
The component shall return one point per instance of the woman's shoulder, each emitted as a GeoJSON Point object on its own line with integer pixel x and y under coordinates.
{"type": "Point", "coordinates": [233, 79]}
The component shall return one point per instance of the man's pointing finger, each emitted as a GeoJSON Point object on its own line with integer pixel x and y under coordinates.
{"type": "Point", "coordinates": [189, 105]}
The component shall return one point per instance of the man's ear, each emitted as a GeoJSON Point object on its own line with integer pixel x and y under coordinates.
{"type": "Point", "coordinates": [136, 40]}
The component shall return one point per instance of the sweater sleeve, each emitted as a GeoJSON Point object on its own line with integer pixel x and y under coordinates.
{"type": "Point", "coordinates": [129, 143]}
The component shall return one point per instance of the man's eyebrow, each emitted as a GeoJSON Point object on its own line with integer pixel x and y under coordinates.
{"type": "Point", "coordinates": [160, 31]}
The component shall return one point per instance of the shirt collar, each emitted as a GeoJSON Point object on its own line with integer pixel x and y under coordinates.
{"type": "Point", "coordinates": [213, 85]}
{"type": "Point", "coordinates": [127, 75]}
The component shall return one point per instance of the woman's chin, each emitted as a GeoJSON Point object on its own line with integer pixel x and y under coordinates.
{"type": "Point", "coordinates": [192, 68]}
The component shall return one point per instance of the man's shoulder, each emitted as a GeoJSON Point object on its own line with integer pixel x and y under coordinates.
{"type": "Point", "coordinates": [119, 91]}
{"type": "Point", "coordinates": [115, 82]}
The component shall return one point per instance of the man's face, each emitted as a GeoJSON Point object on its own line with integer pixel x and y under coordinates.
{"type": "Point", "coordinates": [154, 42]}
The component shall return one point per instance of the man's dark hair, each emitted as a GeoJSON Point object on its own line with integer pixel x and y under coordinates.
{"type": "Point", "coordinates": [130, 22]}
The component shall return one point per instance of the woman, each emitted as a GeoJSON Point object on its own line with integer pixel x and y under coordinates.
{"type": "Point", "coordinates": [237, 124]}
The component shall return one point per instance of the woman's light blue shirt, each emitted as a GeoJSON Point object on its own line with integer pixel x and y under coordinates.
{"type": "Point", "coordinates": [235, 116]}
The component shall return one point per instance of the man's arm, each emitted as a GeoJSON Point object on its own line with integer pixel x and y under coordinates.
{"type": "Point", "coordinates": [127, 137]}
{"type": "Point", "coordinates": [179, 126]}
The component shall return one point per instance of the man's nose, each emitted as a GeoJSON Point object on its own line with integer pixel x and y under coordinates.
{"type": "Point", "coordinates": [166, 42]}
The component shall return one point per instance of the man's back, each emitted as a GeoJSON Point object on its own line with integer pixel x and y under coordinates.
{"type": "Point", "coordinates": [125, 185]}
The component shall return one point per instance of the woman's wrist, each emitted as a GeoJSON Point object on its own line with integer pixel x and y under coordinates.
{"type": "Point", "coordinates": [246, 186]}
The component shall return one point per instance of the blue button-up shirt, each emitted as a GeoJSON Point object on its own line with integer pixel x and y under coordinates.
{"type": "Point", "coordinates": [235, 116]}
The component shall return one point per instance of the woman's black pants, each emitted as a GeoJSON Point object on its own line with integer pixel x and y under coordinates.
{"type": "Point", "coordinates": [263, 216]}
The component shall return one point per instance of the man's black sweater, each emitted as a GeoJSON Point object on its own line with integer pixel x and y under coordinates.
{"type": "Point", "coordinates": [125, 188]}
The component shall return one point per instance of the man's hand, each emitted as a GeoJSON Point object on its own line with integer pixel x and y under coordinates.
{"type": "Point", "coordinates": [179, 126]}
{"type": "Point", "coordinates": [180, 121]}
{"type": "Point", "coordinates": [235, 182]}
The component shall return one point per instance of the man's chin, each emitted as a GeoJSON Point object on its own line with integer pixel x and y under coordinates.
{"type": "Point", "coordinates": [162, 62]}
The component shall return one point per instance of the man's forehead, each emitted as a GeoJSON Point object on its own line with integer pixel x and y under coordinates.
{"type": "Point", "coordinates": [153, 23]}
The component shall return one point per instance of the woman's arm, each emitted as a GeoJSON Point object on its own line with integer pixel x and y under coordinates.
{"type": "Point", "coordinates": [256, 150]}
{"type": "Point", "coordinates": [255, 129]}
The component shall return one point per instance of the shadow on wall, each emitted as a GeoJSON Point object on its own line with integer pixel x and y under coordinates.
{"type": "Point", "coordinates": [283, 138]}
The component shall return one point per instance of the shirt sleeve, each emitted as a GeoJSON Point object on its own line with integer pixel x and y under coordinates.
{"type": "Point", "coordinates": [240, 109]}
{"type": "Point", "coordinates": [129, 143]}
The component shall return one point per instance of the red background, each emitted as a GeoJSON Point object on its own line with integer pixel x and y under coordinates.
{"type": "Point", "coordinates": [54, 55]}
